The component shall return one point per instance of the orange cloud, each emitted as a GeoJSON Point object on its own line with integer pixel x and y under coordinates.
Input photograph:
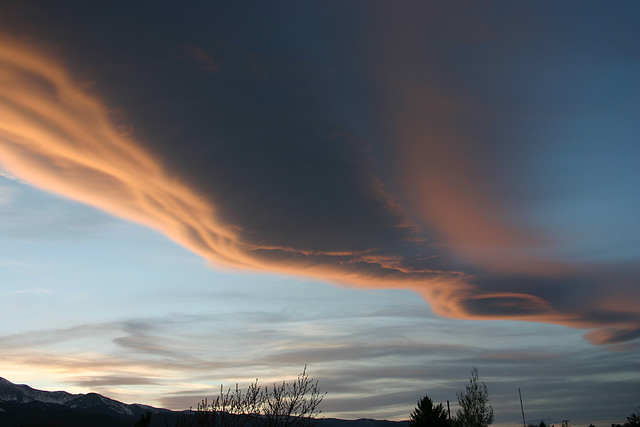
{"type": "Point", "coordinates": [57, 137]}
{"type": "Point", "coordinates": [446, 188]}
{"type": "Point", "coordinates": [62, 140]}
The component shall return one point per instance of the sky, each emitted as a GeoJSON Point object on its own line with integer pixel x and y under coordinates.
{"type": "Point", "coordinates": [390, 193]}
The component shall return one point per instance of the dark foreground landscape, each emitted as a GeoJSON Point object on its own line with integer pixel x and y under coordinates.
{"type": "Point", "coordinates": [23, 406]}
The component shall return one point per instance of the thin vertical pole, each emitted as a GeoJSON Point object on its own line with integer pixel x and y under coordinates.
{"type": "Point", "coordinates": [449, 409]}
{"type": "Point", "coordinates": [524, 423]}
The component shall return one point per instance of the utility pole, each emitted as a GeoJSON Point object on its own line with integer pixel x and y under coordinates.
{"type": "Point", "coordinates": [449, 409]}
{"type": "Point", "coordinates": [524, 423]}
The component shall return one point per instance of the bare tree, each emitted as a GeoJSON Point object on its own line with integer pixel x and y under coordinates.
{"type": "Point", "coordinates": [292, 404]}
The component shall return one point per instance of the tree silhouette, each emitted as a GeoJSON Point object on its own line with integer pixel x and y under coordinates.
{"type": "Point", "coordinates": [633, 420]}
{"type": "Point", "coordinates": [427, 415]}
{"type": "Point", "coordinates": [289, 404]}
{"type": "Point", "coordinates": [475, 409]}
{"type": "Point", "coordinates": [144, 421]}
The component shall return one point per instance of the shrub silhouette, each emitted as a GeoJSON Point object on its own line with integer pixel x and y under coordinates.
{"type": "Point", "coordinates": [144, 421]}
{"type": "Point", "coordinates": [633, 420]}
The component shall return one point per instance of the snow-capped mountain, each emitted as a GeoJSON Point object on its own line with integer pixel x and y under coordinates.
{"type": "Point", "coordinates": [27, 401]}
{"type": "Point", "coordinates": [21, 405]}
{"type": "Point", "coordinates": [10, 392]}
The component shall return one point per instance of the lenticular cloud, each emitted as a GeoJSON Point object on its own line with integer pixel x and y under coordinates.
{"type": "Point", "coordinates": [63, 140]}
{"type": "Point", "coordinates": [57, 137]}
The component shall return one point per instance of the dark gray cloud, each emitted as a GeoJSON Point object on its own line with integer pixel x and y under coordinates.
{"type": "Point", "coordinates": [260, 137]}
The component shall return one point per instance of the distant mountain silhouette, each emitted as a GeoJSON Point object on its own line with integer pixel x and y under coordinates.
{"type": "Point", "coordinates": [21, 405]}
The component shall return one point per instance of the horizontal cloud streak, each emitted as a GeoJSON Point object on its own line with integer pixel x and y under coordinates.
{"type": "Point", "coordinates": [358, 362]}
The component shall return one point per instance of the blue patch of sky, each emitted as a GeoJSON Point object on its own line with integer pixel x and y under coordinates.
{"type": "Point", "coordinates": [563, 127]}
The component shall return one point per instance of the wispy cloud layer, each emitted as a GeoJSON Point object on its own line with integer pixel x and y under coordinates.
{"type": "Point", "coordinates": [190, 359]}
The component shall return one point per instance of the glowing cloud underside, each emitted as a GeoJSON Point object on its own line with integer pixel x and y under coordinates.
{"type": "Point", "coordinates": [62, 140]}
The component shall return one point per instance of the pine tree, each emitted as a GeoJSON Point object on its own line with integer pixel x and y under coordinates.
{"type": "Point", "coordinates": [427, 415]}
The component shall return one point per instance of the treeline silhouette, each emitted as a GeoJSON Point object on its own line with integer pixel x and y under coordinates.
{"type": "Point", "coordinates": [474, 410]}
{"type": "Point", "coordinates": [295, 404]}
{"type": "Point", "coordinates": [288, 404]}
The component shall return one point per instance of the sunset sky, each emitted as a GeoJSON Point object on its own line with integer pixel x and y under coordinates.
{"type": "Point", "coordinates": [207, 192]}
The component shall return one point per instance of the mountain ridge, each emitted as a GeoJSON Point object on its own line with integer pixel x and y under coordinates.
{"type": "Point", "coordinates": [22, 393]}
{"type": "Point", "coordinates": [22, 405]}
